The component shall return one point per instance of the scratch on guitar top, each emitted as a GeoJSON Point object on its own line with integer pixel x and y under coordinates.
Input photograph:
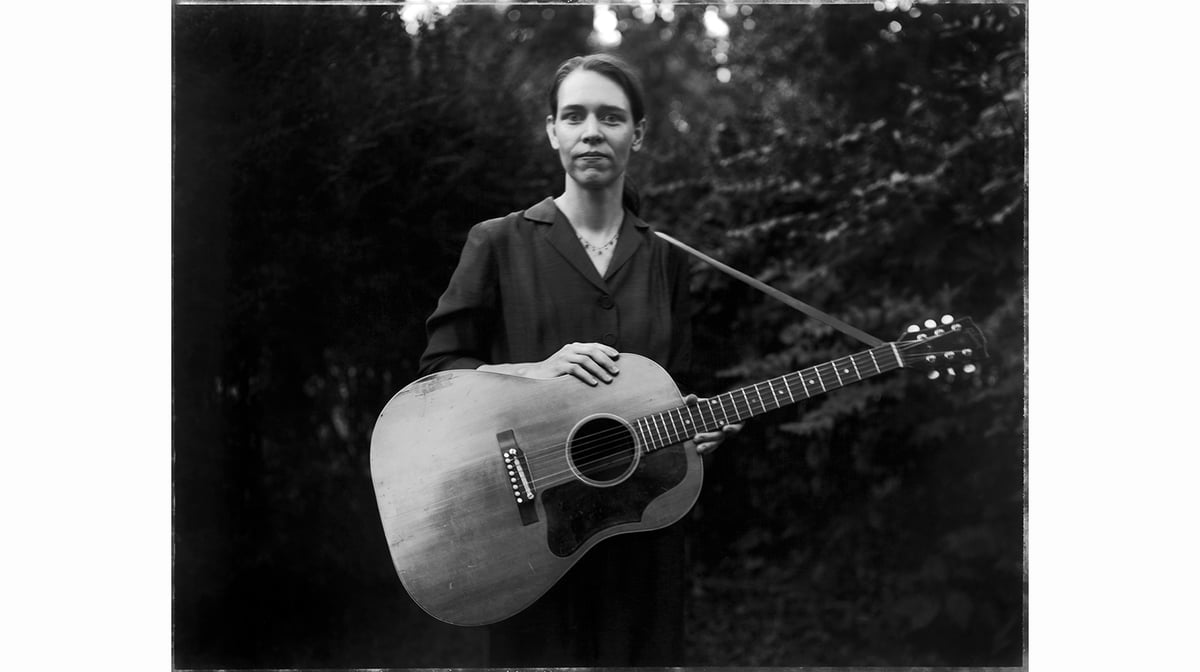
{"type": "Point", "coordinates": [423, 388]}
{"type": "Point", "coordinates": [531, 569]}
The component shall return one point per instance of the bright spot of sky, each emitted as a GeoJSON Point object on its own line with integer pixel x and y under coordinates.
{"type": "Point", "coordinates": [666, 9]}
{"type": "Point", "coordinates": [714, 25]}
{"type": "Point", "coordinates": [604, 25]}
{"type": "Point", "coordinates": [647, 10]}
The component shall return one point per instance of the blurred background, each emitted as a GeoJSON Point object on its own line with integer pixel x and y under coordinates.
{"type": "Point", "coordinates": [868, 159]}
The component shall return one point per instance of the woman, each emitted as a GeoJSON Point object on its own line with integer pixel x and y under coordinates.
{"type": "Point", "coordinates": [561, 289]}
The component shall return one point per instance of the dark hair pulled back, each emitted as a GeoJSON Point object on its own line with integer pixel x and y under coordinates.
{"type": "Point", "coordinates": [625, 77]}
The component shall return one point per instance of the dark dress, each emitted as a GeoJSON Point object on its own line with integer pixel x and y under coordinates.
{"type": "Point", "coordinates": [523, 288]}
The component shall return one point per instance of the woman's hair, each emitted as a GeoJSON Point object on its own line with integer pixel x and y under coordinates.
{"type": "Point", "coordinates": [611, 67]}
{"type": "Point", "coordinates": [624, 76]}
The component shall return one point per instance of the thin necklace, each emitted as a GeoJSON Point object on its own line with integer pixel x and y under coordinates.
{"type": "Point", "coordinates": [602, 248]}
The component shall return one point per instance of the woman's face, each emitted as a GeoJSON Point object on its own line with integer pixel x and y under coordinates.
{"type": "Point", "coordinates": [593, 129]}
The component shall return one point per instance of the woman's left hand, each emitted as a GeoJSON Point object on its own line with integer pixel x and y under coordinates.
{"type": "Point", "coordinates": [706, 442]}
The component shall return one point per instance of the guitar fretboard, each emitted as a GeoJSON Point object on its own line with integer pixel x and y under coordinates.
{"type": "Point", "coordinates": [659, 430]}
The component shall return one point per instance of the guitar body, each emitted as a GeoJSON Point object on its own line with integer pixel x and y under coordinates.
{"type": "Point", "coordinates": [490, 487]}
{"type": "Point", "coordinates": [456, 455]}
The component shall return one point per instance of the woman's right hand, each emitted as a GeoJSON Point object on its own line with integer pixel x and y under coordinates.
{"type": "Point", "coordinates": [592, 363]}
{"type": "Point", "coordinates": [589, 362]}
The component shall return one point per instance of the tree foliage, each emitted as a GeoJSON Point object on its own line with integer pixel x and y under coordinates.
{"type": "Point", "coordinates": [328, 164]}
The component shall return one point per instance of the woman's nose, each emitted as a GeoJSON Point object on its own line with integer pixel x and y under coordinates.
{"type": "Point", "coordinates": [591, 129]}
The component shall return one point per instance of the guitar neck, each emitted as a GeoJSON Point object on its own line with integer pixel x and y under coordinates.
{"type": "Point", "coordinates": [659, 430]}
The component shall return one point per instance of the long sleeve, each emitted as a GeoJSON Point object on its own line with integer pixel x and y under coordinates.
{"type": "Point", "coordinates": [460, 329]}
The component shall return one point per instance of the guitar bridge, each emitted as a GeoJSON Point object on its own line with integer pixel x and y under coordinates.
{"type": "Point", "coordinates": [518, 476]}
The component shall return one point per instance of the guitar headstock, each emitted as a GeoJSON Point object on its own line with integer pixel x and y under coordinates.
{"type": "Point", "coordinates": [943, 348]}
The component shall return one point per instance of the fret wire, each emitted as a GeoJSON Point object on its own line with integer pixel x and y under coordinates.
{"type": "Point", "coordinates": [718, 421]}
{"type": "Point", "coordinates": [669, 427]}
{"type": "Point", "coordinates": [708, 403]}
{"type": "Point", "coordinates": [663, 431]}
{"type": "Point", "coordinates": [724, 413]}
{"type": "Point", "coordinates": [648, 430]}
{"type": "Point", "coordinates": [674, 431]}
{"type": "Point", "coordinates": [797, 374]}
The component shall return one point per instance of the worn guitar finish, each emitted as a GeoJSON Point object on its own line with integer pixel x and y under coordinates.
{"type": "Point", "coordinates": [490, 486]}
{"type": "Point", "coordinates": [453, 524]}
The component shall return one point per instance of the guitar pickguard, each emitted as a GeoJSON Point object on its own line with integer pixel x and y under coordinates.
{"type": "Point", "coordinates": [576, 511]}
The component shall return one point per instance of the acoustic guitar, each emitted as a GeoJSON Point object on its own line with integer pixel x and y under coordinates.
{"type": "Point", "coordinates": [490, 486]}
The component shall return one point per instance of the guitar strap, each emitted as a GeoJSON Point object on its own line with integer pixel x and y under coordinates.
{"type": "Point", "coordinates": [776, 294]}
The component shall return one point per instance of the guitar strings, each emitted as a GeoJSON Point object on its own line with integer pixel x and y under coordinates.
{"type": "Point", "coordinates": [742, 408]}
{"type": "Point", "coordinates": [597, 450]}
{"type": "Point", "coordinates": [601, 449]}
{"type": "Point", "coordinates": [550, 456]}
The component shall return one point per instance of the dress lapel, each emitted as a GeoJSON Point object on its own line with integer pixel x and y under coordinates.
{"type": "Point", "coordinates": [633, 230]}
{"type": "Point", "coordinates": [562, 237]}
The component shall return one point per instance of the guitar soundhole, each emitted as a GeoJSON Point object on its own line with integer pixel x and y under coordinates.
{"type": "Point", "coordinates": [602, 450]}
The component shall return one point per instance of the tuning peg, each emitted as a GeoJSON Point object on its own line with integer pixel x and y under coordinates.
{"type": "Point", "coordinates": [912, 328]}
{"type": "Point", "coordinates": [947, 318]}
{"type": "Point", "coordinates": [950, 373]}
{"type": "Point", "coordinates": [930, 324]}
{"type": "Point", "coordinates": [969, 368]}
{"type": "Point", "coordinates": [934, 375]}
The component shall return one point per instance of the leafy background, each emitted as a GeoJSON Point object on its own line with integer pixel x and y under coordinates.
{"type": "Point", "coordinates": [867, 159]}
